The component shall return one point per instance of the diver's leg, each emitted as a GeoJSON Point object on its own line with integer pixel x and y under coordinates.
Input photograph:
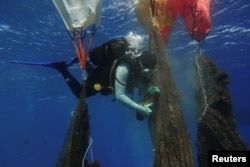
{"type": "Point", "coordinates": [71, 81]}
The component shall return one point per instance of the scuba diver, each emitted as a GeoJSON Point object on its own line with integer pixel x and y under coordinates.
{"type": "Point", "coordinates": [116, 67]}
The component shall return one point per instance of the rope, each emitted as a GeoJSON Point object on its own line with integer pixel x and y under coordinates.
{"type": "Point", "coordinates": [152, 6]}
{"type": "Point", "coordinates": [197, 54]}
{"type": "Point", "coordinates": [89, 147]}
{"type": "Point", "coordinates": [77, 40]}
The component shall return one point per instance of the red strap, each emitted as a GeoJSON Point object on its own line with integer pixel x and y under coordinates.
{"type": "Point", "coordinates": [81, 54]}
{"type": "Point", "coordinates": [80, 51]}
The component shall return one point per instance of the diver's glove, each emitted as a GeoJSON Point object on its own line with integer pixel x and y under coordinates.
{"type": "Point", "coordinates": [144, 110]}
{"type": "Point", "coordinates": [153, 91]}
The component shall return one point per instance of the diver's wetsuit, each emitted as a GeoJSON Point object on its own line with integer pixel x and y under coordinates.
{"type": "Point", "coordinates": [121, 75]}
{"type": "Point", "coordinates": [71, 81]}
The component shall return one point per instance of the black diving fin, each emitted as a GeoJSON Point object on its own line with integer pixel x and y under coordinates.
{"type": "Point", "coordinates": [56, 65]}
{"type": "Point", "coordinates": [44, 64]}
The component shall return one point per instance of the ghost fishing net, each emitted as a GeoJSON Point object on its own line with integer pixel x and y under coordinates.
{"type": "Point", "coordinates": [77, 141]}
{"type": "Point", "coordinates": [217, 128]}
{"type": "Point", "coordinates": [170, 135]}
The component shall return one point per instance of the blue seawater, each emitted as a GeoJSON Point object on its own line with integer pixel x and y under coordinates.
{"type": "Point", "coordinates": [36, 103]}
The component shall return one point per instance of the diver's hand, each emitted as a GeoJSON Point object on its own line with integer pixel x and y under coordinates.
{"type": "Point", "coordinates": [144, 110]}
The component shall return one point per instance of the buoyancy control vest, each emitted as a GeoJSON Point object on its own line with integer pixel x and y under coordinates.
{"type": "Point", "coordinates": [107, 53]}
{"type": "Point", "coordinates": [106, 58]}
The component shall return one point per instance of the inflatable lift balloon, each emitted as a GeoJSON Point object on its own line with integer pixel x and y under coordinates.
{"type": "Point", "coordinates": [79, 14]}
{"type": "Point", "coordinates": [163, 13]}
